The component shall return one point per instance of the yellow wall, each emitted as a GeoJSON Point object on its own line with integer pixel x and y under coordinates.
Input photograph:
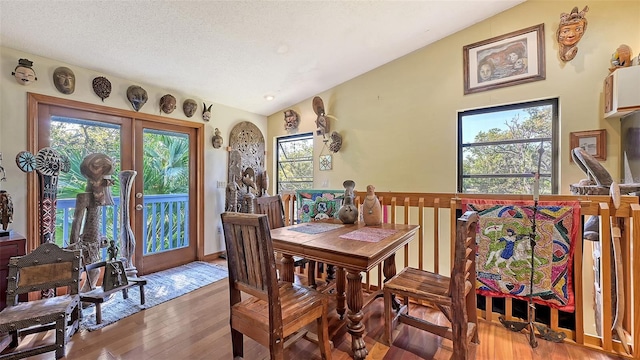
{"type": "Point", "coordinates": [13, 129]}
{"type": "Point", "coordinates": [399, 121]}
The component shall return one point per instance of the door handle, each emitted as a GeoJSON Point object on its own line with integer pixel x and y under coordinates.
{"type": "Point", "coordinates": [139, 207]}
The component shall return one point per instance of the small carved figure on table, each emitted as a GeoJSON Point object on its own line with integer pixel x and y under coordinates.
{"type": "Point", "coordinates": [348, 213]}
{"type": "Point", "coordinates": [371, 208]}
{"type": "Point", "coordinates": [112, 251]}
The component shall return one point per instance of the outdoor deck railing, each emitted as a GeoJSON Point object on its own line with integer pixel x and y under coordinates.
{"type": "Point", "coordinates": [432, 248]}
{"type": "Point", "coordinates": [165, 226]}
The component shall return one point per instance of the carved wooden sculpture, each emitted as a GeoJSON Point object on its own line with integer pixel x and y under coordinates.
{"type": "Point", "coordinates": [246, 165]}
{"type": "Point", "coordinates": [570, 30]}
{"type": "Point", "coordinates": [47, 163]}
{"type": "Point", "coordinates": [97, 168]}
{"type": "Point", "coordinates": [127, 238]}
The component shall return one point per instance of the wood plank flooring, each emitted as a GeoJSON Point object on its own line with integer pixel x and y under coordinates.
{"type": "Point", "coordinates": [196, 326]}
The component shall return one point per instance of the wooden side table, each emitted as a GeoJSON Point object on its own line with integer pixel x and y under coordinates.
{"type": "Point", "coordinates": [13, 245]}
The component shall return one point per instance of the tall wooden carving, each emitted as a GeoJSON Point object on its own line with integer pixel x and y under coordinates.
{"type": "Point", "coordinates": [47, 163]}
{"type": "Point", "coordinates": [127, 238]}
{"type": "Point", "coordinates": [246, 167]}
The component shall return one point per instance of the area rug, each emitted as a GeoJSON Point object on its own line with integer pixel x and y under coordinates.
{"type": "Point", "coordinates": [503, 261]}
{"type": "Point", "coordinates": [161, 286]}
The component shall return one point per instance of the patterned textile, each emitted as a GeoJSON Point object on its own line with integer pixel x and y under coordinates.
{"type": "Point", "coordinates": [318, 204]}
{"type": "Point", "coordinates": [315, 228]}
{"type": "Point", "coordinates": [368, 234]}
{"type": "Point", "coordinates": [503, 259]}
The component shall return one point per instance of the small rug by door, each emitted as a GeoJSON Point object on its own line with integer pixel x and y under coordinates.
{"type": "Point", "coordinates": [161, 286]}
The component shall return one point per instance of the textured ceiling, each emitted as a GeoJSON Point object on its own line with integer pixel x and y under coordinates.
{"type": "Point", "coordinates": [235, 52]}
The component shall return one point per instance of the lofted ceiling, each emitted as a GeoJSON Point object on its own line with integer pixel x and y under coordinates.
{"type": "Point", "coordinates": [235, 53]}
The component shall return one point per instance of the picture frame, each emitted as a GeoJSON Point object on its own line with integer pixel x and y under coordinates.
{"type": "Point", "coordinates": [325, 163]}
{"type": "Point", "coordinates": [594, 142]}
{"type": "Point", "coordinates": [506, 60]}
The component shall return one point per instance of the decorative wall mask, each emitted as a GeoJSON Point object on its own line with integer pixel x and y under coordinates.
{"type": "Point", "coordinates": [217, 139]}
{"type": "Point", "coordinates": [64, 79]}
{"type": "Point", "coordinates": [570, 30]}
{"type": "Point", "coordinates": [322, 122]}
{"type": "Point", "coordinates": [291, 120]}
{"type": "Point", "coordinates": [206, 112]}
{"type": "Point", "coordinates": [24, 73]}
{"type": "Point", "coordinates": [336, 142]}
{"type": "Point", "coordinates": [102, 87]}
{"type": "Point", "coordinates": [189, 107]}
{"type": "Point", "coordinates": [137, 96]}
{"type": "Point", "coordinates": [167, 103]}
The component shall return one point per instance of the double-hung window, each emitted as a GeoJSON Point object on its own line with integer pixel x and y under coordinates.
{"type": "Point", "coordinates": [500, 149]}
{"type": "Point", "coordinates": [294, 165]}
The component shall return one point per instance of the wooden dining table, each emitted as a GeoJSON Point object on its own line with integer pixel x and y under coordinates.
{"type": "Point", "coordinates": [352, 249]}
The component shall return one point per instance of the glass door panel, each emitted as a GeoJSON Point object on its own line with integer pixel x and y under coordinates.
{"type": "Point", "coordinates": [163, 195]}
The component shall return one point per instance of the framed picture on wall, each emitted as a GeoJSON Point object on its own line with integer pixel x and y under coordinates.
{"type": "Point", "coordinates": [594, 142]}
{"type": "Point", "coordinates": [506, 60]}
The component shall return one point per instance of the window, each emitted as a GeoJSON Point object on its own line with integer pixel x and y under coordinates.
{"type": "Point", "coordinates": [498, 148]}
{"type": "Point", "coordinates": [294, 162]}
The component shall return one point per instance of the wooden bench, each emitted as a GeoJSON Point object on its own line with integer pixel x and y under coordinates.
{"type": "Point", "coordinates": [102, 293]}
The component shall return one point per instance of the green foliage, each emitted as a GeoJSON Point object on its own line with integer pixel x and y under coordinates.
{"type": "Point", "coordinates": [500, 156]}
{"type": "Point", "coordinates": [295, 164]}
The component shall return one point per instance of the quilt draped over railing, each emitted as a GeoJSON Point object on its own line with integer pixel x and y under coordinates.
{"type": "Point", "coordinates": [503, 259]}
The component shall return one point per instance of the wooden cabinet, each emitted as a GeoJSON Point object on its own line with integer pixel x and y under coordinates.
{"type": "Point", "coordinates": [12, 245]}
{"type": "Point", "coordinates": [622, 92]}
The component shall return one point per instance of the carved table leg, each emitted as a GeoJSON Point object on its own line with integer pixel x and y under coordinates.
{"type": "Point", "coordinates": [389, 271]}
{"type": "Point", "coordinates": [287, 268]}
{"type": "Point", "coordinates": [355, 315]}
{"type": "Point", "coordinates": [340, 296]}
{"type": "Point", "coordinates": [311, 274]}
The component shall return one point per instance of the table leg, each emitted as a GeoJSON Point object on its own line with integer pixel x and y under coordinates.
{"type": "Point", "coordinates": [311, 274]}
{"type": "Point", "coordinates": [355, 315]}
{"type": "Point", "coordinates": [340, 296]}
{"type": "Point", "coordinates": [287, 268]}
{"type": "Point", "coordinates": [389, 271]}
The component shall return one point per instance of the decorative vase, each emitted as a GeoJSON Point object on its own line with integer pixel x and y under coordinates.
{"type": "Point", "coordinates": [348, 213]}
{"type": "Point", "coordinates": [127, 238]}
{"type": "Point", "coordinates": [371, 209]}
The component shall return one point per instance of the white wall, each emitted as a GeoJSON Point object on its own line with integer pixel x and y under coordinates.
{"type": "Point", "coordinates": [13, 129]}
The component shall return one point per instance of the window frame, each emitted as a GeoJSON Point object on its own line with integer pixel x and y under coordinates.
{"type": "Point", "coordinates": [555, 121]}
{"type": "Point", "coordinates": [303, 136]}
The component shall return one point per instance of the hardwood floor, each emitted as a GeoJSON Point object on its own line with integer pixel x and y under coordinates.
{"type": "Point", "coordinates": [196, 326]}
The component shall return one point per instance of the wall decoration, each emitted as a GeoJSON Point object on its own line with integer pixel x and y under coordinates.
{"type": "Point", "coordinates": [322, 122]}
{"type": "Point", "coordinates": [64, 79]}
{"type": "Point", "coordinates": [137, 96]}
{"type": "Point", "coordinates": [621, 58]}
{"type": "Point", "coordinates": [594, 142]}
{"type": "Point", "coordinates": [336, 142]}
{"type": "Point", "coordinates": [246, 151]}
{"type": "Point", "coordinates": [291, 120]}
{"type": "Point", "coordinates": [189, 107]}
{"type": "Point", "coordinates": [570, 30]}
{"type": "Point", "coordinates": [506, 60]}
{"type": "Point", "coordinates": [167, 104]}
{"type": "Point", "coordinates": [325, 162]}
{"type": "Point", "coordinates": [6, 205]}
{"type": "Point", "coordinates": [206, 112]}
{"type": "Point", "coordinates": [102, 87]}
{"type": "Point", "coordinates": [217, 139]}
{"type": "Point", "coordinates": [24, 72]}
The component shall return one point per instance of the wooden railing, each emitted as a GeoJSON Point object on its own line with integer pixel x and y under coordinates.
{"type": "Point", "coordinates": [432, 250]}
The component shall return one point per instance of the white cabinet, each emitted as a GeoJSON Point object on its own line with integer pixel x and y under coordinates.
{"type": "Point", "coordinates": [622, 92]}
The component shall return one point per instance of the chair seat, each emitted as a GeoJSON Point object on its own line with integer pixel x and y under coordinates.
{"type": "Point", "coordinates": [421, 284]}
{"type": "Point", "coordinates": [299, 304]}
{"type": "Point", "coordinates": [36, 312]}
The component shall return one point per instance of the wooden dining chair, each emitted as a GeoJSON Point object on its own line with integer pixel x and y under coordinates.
{"type": "Point", "coordinates": [454, 296]}
{"type": "Point", "coordinates": [47, 267]}
{"type": "Point", "coordinates": [276, 311]}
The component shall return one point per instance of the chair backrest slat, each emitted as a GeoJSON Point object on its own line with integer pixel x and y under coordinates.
{"type": "Point", "coordinates": [250, 255]}
{"type": "Point", "coordinates": [464, 267]}
{"type": "Point", "coordinates": [273, 208]}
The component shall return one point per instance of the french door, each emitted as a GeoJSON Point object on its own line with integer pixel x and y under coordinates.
{"type": "Point", "coordinates": [163, 209]}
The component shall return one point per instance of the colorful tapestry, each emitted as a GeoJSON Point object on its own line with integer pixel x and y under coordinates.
{"type": "Point", "coordinates": [316, 205]}
{"type": "Point", "coordinates": [503, 259]}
